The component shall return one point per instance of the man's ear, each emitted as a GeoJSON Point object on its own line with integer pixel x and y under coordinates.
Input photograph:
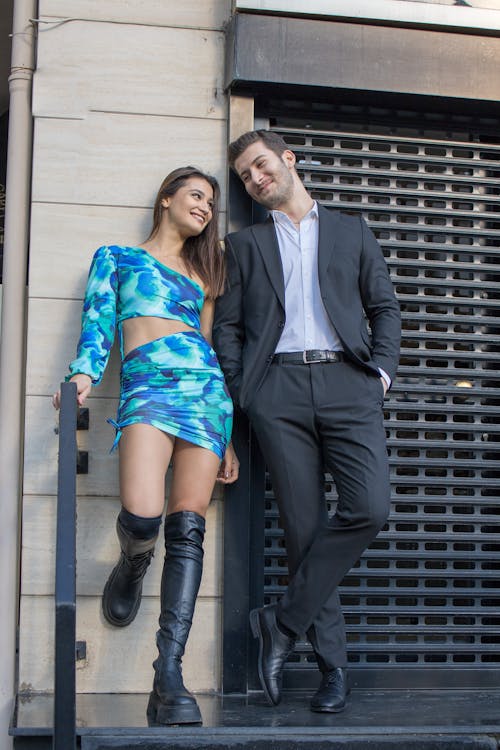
{"type": "Point", "coordinates": [289, 158]}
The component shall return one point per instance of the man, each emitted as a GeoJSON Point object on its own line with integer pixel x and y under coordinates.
{"type": "Point", "coordinates": [291, 335]}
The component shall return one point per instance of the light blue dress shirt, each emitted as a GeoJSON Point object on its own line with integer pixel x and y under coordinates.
{"type": "Point", "coordinates": [307, 325]}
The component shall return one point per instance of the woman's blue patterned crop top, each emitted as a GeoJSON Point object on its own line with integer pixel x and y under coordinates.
{"type": "Point", "coordinates": [128, 282]}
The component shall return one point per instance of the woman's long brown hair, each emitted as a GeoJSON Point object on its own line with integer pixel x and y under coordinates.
{"type": "Point", "coordinates": [202, 253]}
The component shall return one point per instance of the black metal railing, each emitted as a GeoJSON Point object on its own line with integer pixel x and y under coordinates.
{"type": "Point", "coordinates": [64, 737]}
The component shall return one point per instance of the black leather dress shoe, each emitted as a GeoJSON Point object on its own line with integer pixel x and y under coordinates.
{"type": "Point", "coordinates": [274, 648]}
{"type": "Point", "coordinates": [331, 694]}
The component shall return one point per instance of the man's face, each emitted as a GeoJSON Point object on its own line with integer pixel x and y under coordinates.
{"type": "Point", "coordinates": [267, 177]}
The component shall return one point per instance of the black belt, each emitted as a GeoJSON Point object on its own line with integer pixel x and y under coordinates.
{"type": "Point", "coordinates": [309, 357]}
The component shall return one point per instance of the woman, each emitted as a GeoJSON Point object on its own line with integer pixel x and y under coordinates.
{"type": "Point", "coordinates": [174, 406]}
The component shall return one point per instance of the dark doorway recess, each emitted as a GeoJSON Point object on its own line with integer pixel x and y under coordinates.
{"type": "Point", "coordinates": [422, 607]}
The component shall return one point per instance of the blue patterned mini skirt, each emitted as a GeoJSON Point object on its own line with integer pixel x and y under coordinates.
{"type": "Point", "coordinates": [175, 384]}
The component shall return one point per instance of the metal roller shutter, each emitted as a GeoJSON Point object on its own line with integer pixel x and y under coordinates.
{"type": "Point", "coordinates": [427, 592]}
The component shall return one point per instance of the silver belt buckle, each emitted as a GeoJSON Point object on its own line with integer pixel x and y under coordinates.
{"type": "Point", "coordinates": [309, 361]}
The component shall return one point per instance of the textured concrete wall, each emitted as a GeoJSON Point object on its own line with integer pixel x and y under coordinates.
{"type": "Point", "coordinates": [123, 93]}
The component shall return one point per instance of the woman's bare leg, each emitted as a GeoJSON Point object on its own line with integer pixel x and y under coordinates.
{"type": "Point", "coordinates": [144, 457]}
{"type": "Point", "coordinates": [194, 474]}
{"type": "Point", "coordinates": [145, 454]}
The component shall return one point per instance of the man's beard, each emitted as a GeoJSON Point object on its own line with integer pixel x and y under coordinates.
{"type": "Point", "coordinates": [282, 193]}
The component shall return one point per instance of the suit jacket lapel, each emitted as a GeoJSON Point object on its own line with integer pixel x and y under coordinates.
{"type": "Point", "coordinates": [328, 222]}
{"type": "Point", "coordinates": [267, 242]}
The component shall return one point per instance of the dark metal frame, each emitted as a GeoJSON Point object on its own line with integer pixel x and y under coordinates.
{"type": "Point", "coordinates": [245, 519]}
{"type": "Point", "coordinates": [243, 560]}
{"type": "Point", "coordinates": [65, 589]}
{"type": "Point", "coordinates": [243, 522]}
{"type": "Point", "coordinates": [340, 62]}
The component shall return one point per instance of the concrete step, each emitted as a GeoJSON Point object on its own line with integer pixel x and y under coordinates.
{"type": "Point", "coordinates": [373, 720]}
{"type": "Point", "coordinates": [285, 740]}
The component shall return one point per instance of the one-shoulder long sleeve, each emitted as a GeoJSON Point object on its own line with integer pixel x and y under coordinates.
{"type": "Point", "coordinates": [98, 317]}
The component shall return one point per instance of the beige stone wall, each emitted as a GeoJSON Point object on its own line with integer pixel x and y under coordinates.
{"type": "Point", "coordinates": [123, 93]}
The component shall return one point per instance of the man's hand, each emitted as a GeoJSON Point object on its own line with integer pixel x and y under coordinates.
{"type": "Point", "coordinates": [384, 384]}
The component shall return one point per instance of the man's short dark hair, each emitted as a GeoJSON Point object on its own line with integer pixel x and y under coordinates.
{"type": "Point", "coordinates": [269, 138]}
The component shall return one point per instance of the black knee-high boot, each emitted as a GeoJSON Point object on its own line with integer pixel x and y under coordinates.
{"type": "Point", "coordinates": [123, 590]}
{"type": "Point", "coordinates": [170, 702]}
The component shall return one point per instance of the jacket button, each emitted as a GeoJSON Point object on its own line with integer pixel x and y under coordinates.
{"type": "Point", "coordinates": [281, 324]}
{"type": "Point", "coordinates": [269, 359]}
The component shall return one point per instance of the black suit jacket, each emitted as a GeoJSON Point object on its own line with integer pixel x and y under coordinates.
{"type": "Point", "coordinates": [355, 287]}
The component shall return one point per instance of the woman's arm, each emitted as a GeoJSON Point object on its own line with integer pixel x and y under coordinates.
{"type": "Point", "coordinates": [230, 466]}
{"type": "Point", "coordinates": [98, 318]}
{"type": "Point", "coordinates": [83, 387]}
{"type": "Point", "coordinates": [207, 319]}
{"type": "Point", "coordinates": [98, 326]}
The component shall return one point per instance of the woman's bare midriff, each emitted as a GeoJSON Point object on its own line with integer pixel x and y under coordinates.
{"type": "Point", "coordinates": [140, 331]}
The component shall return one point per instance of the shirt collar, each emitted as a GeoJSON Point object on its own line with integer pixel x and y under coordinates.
{"type": "Point", "coordinates": [280, 217]}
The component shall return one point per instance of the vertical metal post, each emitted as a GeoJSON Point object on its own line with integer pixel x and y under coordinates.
{"type": "Point", "coordinates": [12, 343]}
{"type": "Point", "coordinates": [243, 561]}
{"type": "Point", "coordinates": [244, 511]}
{"type": "Point", "coordinates": [65, 591]}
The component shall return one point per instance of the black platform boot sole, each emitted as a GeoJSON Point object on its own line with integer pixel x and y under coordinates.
{"type": "Point", "coordinates": [159, 713]}
{"type": "Point", "coordinates": [105, 610]}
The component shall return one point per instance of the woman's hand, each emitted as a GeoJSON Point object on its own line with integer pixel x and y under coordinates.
{"type": "Point", "coordinates": [229, 468]}
{"type": "Point", "coordinates": [83, 386]}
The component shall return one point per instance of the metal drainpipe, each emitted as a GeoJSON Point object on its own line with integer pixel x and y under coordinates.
{"type": "Point", "coordinates": [12, 343]}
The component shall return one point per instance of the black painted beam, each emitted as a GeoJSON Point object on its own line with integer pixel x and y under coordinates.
{"type": "Point", "coordinates": [65, 589]}
{"type": "Point", "coordinates": [265, 49]}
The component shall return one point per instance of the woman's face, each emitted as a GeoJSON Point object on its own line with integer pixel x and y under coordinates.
{"type": "Point", "coordinates": [190, 208]}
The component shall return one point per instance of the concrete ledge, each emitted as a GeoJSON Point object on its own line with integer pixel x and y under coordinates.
{"type": "Point", "coordinates": [185, 739]}
{"type": "Point", "coordinates": [373, 720]}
